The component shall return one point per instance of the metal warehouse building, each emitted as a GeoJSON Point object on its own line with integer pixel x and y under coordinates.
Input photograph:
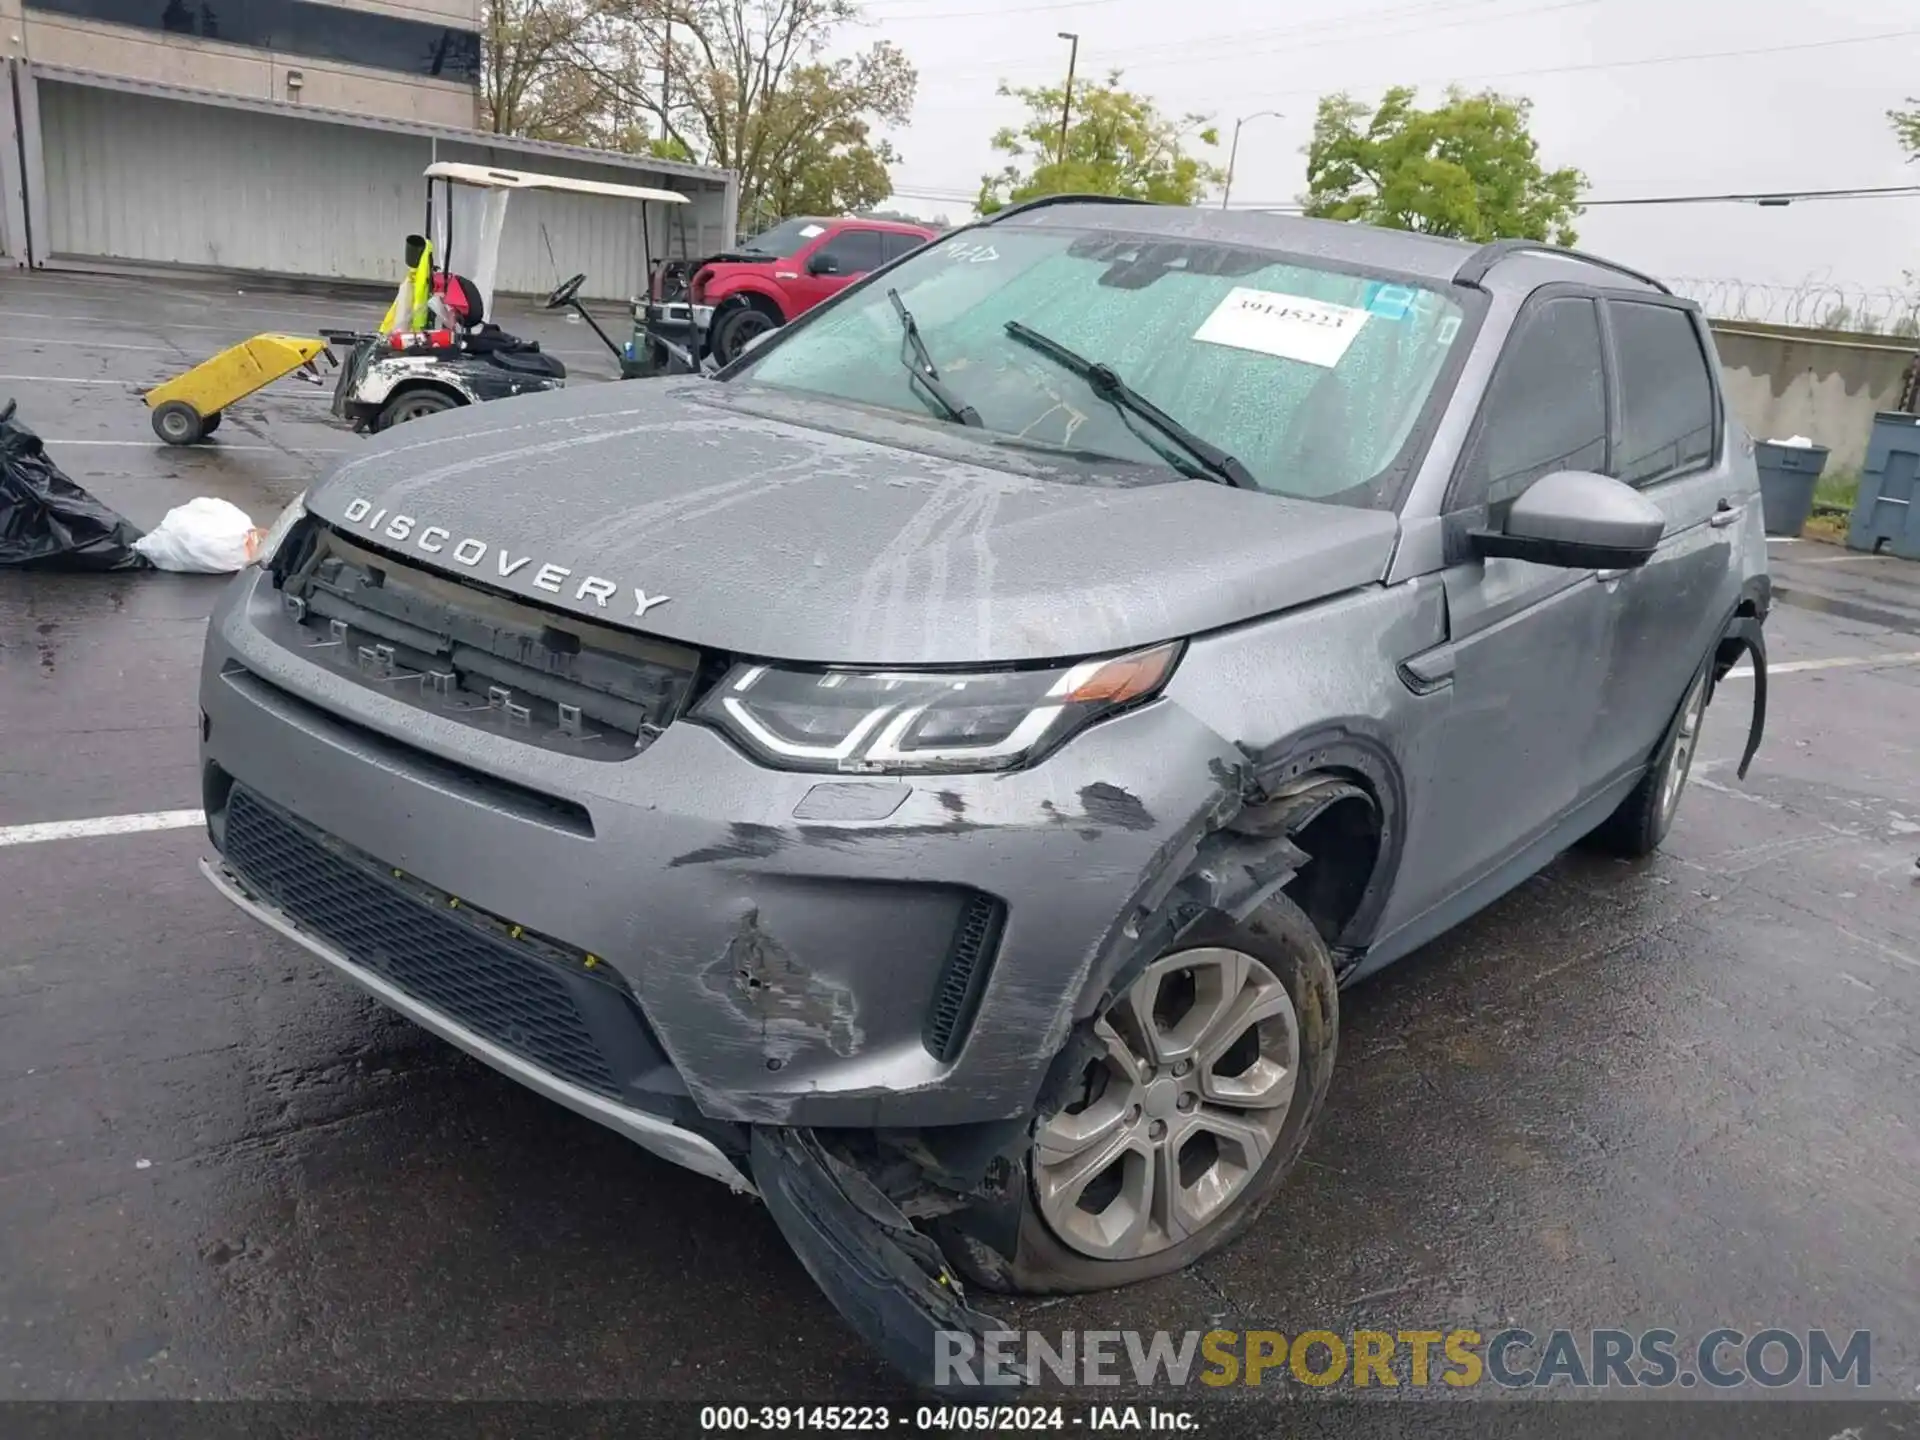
{"type": "Point", "coordinates": [207, 145]}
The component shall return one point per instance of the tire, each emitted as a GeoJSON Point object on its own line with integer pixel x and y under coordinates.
{"type": "Point", "coordinates": [1283, 944]}
{"type": "Point", "coordinates": [211, 423]}
{"type": "Point", "coordinates": [737, 327]}
{"type": "Point", "coordinates": [411, 405]}
{"type": "Point", "coordinates": [178, 423]}
{"type": "Point", "coordinates": [1640, 823]}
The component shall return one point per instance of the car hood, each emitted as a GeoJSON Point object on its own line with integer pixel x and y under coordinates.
{"type": "Point", "coordinates": [710, 514]}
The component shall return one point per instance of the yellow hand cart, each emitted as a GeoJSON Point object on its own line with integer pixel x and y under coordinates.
{"type": "Point", "coordinates": [187, 408]}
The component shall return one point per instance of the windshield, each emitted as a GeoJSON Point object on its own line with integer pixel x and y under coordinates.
{"type": "Point", "coordinates": [1311, 377]}
{"type": "Point", "coordinates": [783, 239]}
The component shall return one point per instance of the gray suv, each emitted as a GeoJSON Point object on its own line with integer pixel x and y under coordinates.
{"type": "Point", "coordinates": [939, 773]}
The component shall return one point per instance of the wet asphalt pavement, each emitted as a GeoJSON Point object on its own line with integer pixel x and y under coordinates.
{"type": "Point", "coordinates": [1678, 1094]}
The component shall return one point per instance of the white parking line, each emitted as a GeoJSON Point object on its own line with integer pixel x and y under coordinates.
{"type": "Point", "coordinates": [1843, 662]}
{"type": "Point", "coordinates": [90, 344]}
{"type": "Point", "coordinates": [62, 380]}
{"type": "Point", "coordinates": [104, 825]}
{"type": "Point", "coordinates": [164, 324]}
{"type": "Point", "coordinates": [215, 448]}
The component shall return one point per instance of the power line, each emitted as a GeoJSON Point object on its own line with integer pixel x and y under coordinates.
{"type": "Point", "coordinates": [1647, 60]}
{"type": "Point", "coordinates": [1764, 198]}
{"type": "Point", "coordinates": [1365, 17]}
{"type": "Point", "coordinates": [1203, 49]}
{"type": "Point", "coordinates": [1768, 197]}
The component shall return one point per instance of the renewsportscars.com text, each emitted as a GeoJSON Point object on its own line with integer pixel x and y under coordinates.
{"type": "Point", "coordinates": [1511, 1358]}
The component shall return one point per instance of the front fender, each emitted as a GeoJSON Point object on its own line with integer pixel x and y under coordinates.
{"type": "Point", "coordinates": [382, 377]}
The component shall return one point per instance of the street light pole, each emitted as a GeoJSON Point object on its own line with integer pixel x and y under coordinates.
{"type": "Point", "coordinates": [1066, 106]}
{"type": "Point", "coordinates": [1233, 152]}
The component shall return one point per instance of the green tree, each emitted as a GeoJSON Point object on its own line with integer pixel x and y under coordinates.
{"type": "Point", "coordinates": [528, 84]}
{"type": "Point", "coordinates": [1468, 168]}
{"type": "Point", "coordinates": [1906, 127]}
{"type": "Point", "coordinates": [1118, 143]}
{"type": "Point", "coordinates": [749, 85]}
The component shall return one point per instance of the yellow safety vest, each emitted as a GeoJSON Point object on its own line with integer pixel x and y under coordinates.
{"type": "Point", "coordinates": [417, 289]}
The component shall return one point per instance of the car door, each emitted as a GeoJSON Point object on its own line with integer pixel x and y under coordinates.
{"type": "Point", "coordinates": [840, 259]}
{"type": "Point", "coordinates": [1527, 644]}
{"type": "Point", "coordinates": [1670, 443]}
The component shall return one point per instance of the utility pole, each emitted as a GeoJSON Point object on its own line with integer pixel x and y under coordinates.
{"type": "Point", "coordinates": [1066, 107]}
{"type": "Point", "coordinates": [1233, 152]}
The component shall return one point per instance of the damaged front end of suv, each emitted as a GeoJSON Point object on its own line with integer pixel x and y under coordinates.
{"type": "Point", "coordinates": [939, 775]}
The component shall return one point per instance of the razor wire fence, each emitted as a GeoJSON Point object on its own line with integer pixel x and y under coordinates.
{"type": "Point", "coordinates": [1890, 310]}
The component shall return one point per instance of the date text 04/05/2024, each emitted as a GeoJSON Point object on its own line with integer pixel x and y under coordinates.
{"type": "Point", "coordinates": [945, 1419]}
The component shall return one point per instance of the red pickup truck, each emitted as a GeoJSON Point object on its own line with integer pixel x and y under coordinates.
{"type": "Point", "coordinates": [786, 271]}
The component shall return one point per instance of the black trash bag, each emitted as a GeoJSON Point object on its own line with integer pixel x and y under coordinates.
{"type": "Point", "coordinates": [49, 523]}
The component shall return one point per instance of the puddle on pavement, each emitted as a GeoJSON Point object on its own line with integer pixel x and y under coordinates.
{"type": "Point", "coordinates": [1907, 622]}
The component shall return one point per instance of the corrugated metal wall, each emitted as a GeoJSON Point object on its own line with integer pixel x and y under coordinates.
{"type": "Point", "coordinates": [143, 179]}
{"type": "Point", "coordinates": [13, 212]}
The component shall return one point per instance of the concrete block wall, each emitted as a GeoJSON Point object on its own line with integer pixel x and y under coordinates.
{"type": "Point", "coordinates": [1826, 385]}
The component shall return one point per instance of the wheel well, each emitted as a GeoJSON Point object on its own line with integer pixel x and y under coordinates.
{"type": "Point", "coordinates": [414, 387]}
{"type": "Point", "coordinates": [1342, 845]}
{"type": "Point", "coordinates": [749, 300]}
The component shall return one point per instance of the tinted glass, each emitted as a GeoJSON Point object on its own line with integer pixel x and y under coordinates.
{"type": "Point", "coordinates": [783, 239]}
{"type": "Point", "coordinates": [298, 27]}
{"type": "Point", "coordinates": [894, 245]}
{"type": "Point", "coordinates": [1314, 377]}
{"type": "Point", "coordinates": [857, 251]}
{"type": "Point", "coordinates": [1666, 396]}
{"type": "Point", "coordinates": [1547, 407]}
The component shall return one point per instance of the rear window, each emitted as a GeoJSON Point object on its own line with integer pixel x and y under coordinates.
{"type": "Point", "coordinates": [1313, 377]}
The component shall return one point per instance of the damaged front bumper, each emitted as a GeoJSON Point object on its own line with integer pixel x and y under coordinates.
{"type": "Point", "coordinates": [885, 1278]}
{"type": "Point", "coordinates": [651, 1132]}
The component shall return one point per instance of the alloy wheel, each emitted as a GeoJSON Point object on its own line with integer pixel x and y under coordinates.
{"type": "Point", "coordinates": [1171, 1123]}
{"type": "Point", "coordinates": [1680, 757]}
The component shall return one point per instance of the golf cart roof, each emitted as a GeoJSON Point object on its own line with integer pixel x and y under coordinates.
{"type": "Point", "coordinates": [486, 177]}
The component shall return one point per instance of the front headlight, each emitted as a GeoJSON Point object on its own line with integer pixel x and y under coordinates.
{"type": "Point", "coordinates": [277, 532]}
{"type": "Point", "coordinates": [891, 722]}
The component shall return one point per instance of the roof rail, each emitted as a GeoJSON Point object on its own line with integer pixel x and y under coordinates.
{"type": "Point", "coordinates": [1040, 202]}
{"type": "Point", "coordinates": [1475, 269]}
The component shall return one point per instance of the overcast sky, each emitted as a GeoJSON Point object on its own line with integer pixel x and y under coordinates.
{"type": "Point", "coordinates": [1810, 117]}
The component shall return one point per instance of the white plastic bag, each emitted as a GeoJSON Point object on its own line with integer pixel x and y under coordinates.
{"type": "Point", "coordinates": [205, 536]}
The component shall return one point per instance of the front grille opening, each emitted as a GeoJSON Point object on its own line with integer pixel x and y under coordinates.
{"type": "Point", "coordinates": [556, 681]}
{"type": "Point", "coordinates": [963, 980]}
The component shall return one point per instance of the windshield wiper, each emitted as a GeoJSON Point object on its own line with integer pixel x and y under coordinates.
{"type": "Point", "coordinates": [1215, 463]}
{"type": "Point", "coordinates": [920, 365]}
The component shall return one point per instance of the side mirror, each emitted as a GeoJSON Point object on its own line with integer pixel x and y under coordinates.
{"type": "Point", "coordinates": [821, 263]}
{"type": "Point", "coordinates": [1576, 520]}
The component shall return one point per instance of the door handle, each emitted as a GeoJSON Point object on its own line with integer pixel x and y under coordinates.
{"type": "Point", "coordinates": [1607, 577]}
{"type": "Point", "coordinates": [1724, 514]}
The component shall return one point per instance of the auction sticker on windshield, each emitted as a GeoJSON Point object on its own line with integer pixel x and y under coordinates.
{"type": "Point", "coordinates": [1289, 326]}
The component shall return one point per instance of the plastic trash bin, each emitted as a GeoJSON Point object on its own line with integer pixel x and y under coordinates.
{"type": "Point", "coordinates": [1885, 512]}
{"type": "Point", "coordinates": [1788, 474]}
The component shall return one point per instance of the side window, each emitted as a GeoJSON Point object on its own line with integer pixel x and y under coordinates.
{"type": "Point", "coordinates": [894, 245]}
{"type": "Point", "coordinates": [855, 251]}
{"type": "Point", "coordinates": [1546, 409]}
{"type": "Point", "coordinates": [1666, 393]}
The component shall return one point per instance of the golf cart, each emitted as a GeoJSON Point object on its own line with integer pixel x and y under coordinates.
{"type": "Point", "coordinates": [438, 347]}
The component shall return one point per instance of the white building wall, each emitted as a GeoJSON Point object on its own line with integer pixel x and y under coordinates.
{"type": "Point", "coordinates": [137, 178]}
{"type": "Point", "coordinates": [49, 38]}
